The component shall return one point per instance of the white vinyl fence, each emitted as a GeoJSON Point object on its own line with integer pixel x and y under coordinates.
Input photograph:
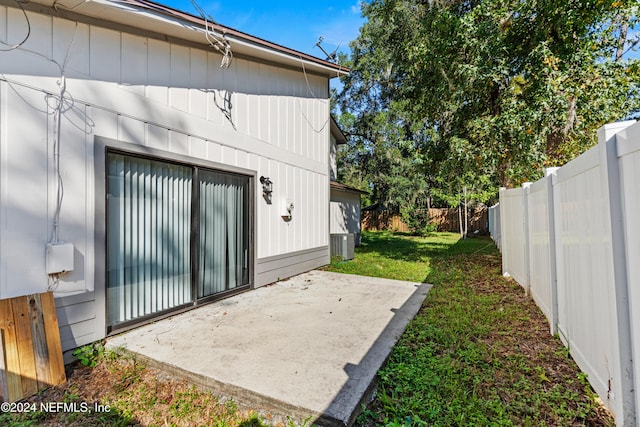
{"type": "Point", "coordinates": [572, 241]}
{"type": "Point", "coordinates": [494, 224]}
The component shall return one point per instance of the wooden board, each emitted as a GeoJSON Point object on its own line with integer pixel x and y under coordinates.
{"type": "Point", "coordinates": [31, 349]}
{"type": "Point", "coordinates": [40, 348]}
{"type": "Point", "coordinates": [11, 357]}
{"type": "Point", "coordinates": [24, 342]}
{"type": "Point", "coordinates": [3, 382]}
{"type": "Point", "coordinates": [52, 332]}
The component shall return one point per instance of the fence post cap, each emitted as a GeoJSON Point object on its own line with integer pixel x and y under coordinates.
{"type": "Point", "coordinates": [550, 171]}
{"type": "Point", "coordinates": [606, 132]}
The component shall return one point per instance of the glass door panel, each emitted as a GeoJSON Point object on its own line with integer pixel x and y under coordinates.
{"type": "Point", "coordinates": [223, 232]}
{"type": "Point", "coordinates": [148, 237]}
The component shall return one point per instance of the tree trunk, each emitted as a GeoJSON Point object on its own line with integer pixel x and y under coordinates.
{"type": "Point", "coordinates": [460, 219]}
{"type": "Point", "coordinates": [466, 214]}
{"type": "Point", "coordinates": [622, 38]}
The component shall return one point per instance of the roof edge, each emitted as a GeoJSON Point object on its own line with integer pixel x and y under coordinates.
{"type": "Point", "coordinates": [337, 132]}
{"type": "Point", "coordinates": [228, 31]}
{"type": "Point", "coordinates": [335, 185]}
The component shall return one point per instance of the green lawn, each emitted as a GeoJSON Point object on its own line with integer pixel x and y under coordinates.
{"type": "Point", "coordinates": [478, 352]}
{"type": "Point", "coordinates": [395, 255]}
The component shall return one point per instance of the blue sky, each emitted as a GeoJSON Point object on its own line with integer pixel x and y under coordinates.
{"type": "Point", "coordinates": [294, 24]}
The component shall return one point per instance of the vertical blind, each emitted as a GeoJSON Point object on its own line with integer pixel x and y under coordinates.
{"type": "Point", "coordinates": [149, 242]}
{"type": "Point", "coordinates": [148, 234]}
{"type": "Point", "coordinates": [223, 232]}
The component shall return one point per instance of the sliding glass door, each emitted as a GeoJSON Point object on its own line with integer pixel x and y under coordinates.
{"type": "Point", "coordinates": [224, 232]}
{"type": "Point", "coordinates": [171, 243]}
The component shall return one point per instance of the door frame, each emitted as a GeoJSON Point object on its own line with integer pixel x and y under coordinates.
{"type": "Point", "coordinates": [102, 146]}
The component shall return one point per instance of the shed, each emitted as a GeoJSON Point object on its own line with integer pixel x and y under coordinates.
{"type": "Point", "coordinates": [345, 210]}
{"type": "Point", "coordinates": [344, 200]}
{"type": "Point", "coordinates": [152, 161]}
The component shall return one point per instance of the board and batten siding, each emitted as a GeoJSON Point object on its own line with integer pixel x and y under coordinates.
{"type": "Point", "coordinates": [167, 96]}
{"type": "Point", "coordinates": [345, 212]}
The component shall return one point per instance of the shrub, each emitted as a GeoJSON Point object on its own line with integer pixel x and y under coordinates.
{"type": "Point", "coordinates": [417, 220]}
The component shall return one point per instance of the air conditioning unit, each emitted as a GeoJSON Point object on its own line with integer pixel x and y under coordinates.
{"type": "Point", "coordinates": [342, 245]}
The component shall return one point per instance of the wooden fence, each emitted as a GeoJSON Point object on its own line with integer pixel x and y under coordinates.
{"type": "Point", "coordinates": [30, 350]}
{"type": "Point", "coordinates": [447, 220]}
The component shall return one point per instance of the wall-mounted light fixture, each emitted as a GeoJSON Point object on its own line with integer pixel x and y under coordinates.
{"type": "Point", "coordinates": [267, 186]}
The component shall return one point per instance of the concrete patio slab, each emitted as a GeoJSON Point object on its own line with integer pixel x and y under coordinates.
{"type": "Point", "coordinates": [309, 346]}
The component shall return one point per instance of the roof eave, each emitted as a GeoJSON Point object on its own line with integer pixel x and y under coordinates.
{"type": "Point", "coordinates": [337, 133]}
{"type": "Point", "coordinates": [157, 18]}
{"type": "Point", "coordinates": [335, 185]}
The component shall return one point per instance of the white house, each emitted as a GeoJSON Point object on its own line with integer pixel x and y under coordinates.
{"type": "Point", "coordinates": [151, 161]}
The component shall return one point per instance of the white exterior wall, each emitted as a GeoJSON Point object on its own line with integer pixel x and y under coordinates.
{"type": "Point", "coordinates": [162, 95]}
{"type": "Point", "coordinates": [345, 212]}
{"type": "Point", "coordinates": [333, 174]}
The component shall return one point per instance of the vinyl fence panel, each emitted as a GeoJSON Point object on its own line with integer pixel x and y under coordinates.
{"type": "Point", "coordinates": [542, 249]}
{"type": "Point", "coordinates": [573, 240]}
{"type": "Point", "coordinates": [628, 151]}
{"type": "Point", "coordinates": [586, 320]}
{"type": "Point", "coordinates": [514, 249]}
{"type": "Point", "coordinates": [494, 224]}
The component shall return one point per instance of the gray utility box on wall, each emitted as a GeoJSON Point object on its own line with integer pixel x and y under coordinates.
{"type": "Point", "coordinates": [342, 245]}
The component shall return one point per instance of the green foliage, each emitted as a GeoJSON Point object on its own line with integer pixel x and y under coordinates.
{"type": "Point", "coordinates": [416, 219]}
{"type": "Point", "coordinates": [25, 419]}
{"type": "Point", "coordinates": [305, 423]}
{"type": "Point", "coordinates": [90, 354]}
{"type": "Point", "coordinates": [384, 162]}
{"type": "Point", "coordinates": [481, 94]}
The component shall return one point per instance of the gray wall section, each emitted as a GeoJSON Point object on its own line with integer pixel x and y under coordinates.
{"type": "Point", "coordinates": [77, 320]}
{"type": "Point", "coordinates": [344, 212]}
{"type": "Point", "coordinates": [272, 269]}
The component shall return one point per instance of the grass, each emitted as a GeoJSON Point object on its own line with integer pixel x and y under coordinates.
{"type": "Point", "coordinates": [395, 256]}
{"type": "Point", "coordinates": [478, 352]}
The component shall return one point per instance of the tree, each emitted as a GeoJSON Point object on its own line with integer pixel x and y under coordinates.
{"type": "Point", "coordinates": [483, 94]}
{"type": "Point", "coordinates": [382, 161]}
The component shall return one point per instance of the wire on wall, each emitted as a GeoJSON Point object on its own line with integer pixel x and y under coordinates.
{"type": "Point", "coordinates": [306, 78]}
{"type": "Point", "coordinates": [59, 107]}
{"type": "Point", "coordinates": [218, 42]}
{"type": "Point", "coordinates": [56, 106]}
{"type": "Point", "coordinates": [57, 4]}
{"type": "Point", "coordinates": [26, 37]}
